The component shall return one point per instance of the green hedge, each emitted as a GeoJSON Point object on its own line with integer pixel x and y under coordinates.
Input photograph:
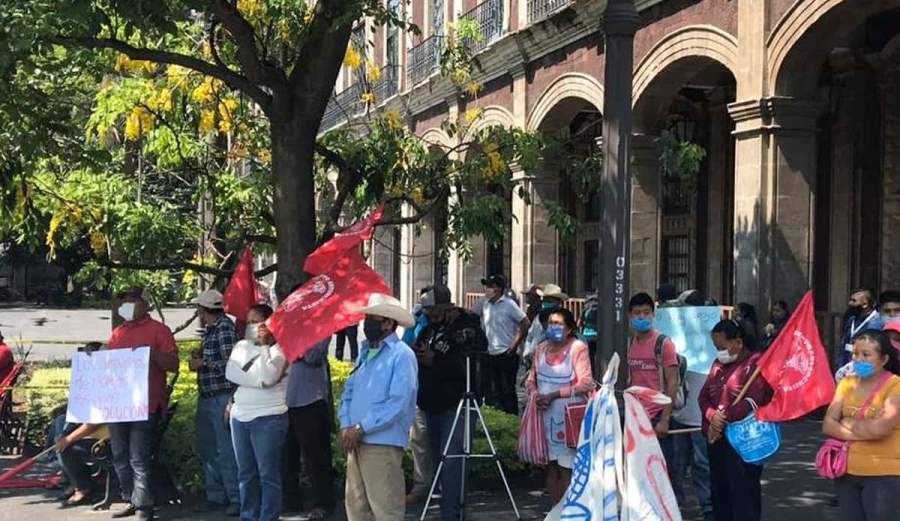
{"type": "Point", "coordinates": [179, 443]}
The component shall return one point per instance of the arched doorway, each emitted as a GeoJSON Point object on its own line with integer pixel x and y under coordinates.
{"type": "Point", "coordinates": [682, 221]}
{"type": "Point", "coordinates": [429, 258]}
{"type": "Point", "coordinates": [569, 258]}
{"type": "Point", "coordinates": [846, 64]}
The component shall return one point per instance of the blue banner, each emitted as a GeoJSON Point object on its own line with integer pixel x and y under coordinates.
{"type": "Point", "coordinates": [689, 328]}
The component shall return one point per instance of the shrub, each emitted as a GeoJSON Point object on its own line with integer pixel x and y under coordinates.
{"type": "Point", "coordinates": [179, 442]}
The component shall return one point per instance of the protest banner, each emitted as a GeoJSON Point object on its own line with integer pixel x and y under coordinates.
{"type": "Point", "coordinates": [242, 292]}
{"type": "Point", "coordinates": [334, 249]}
{"type": "Point", "coordinates": [109, 386]}
{"type": "Point", "coordinates": [689, 328]}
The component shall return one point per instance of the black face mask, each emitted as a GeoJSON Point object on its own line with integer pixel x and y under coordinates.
{"type": "Point", "coordinates": [856, 310]}
{"type": "Point", "coordinates": [372, 330]}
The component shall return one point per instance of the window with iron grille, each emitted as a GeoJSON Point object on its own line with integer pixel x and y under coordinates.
{"type": "Point", "coordinates": [591, 266]}
{"type": "Point", "coordinates": [540, 9]}
{"type": "Point", "coordinates": [437, 17]}
{"type": "Point", "coordinates": [676, 260]}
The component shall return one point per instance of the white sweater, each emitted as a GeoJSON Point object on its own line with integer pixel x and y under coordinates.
{"type": "Point", "coordinates": [262, 386]}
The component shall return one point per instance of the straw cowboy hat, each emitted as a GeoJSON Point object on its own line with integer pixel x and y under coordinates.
{"type": "Point", "coordinates": [552, 291]}
{"type": "Point", "coordinates": [386, 306]}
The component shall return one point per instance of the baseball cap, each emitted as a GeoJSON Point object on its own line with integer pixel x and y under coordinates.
{"type": "Point", "coordinates": [494, 280]}
{"type": "Point", "coordinates": [209, 299]}
{"type": "Point", "coordinates": [438, 295]}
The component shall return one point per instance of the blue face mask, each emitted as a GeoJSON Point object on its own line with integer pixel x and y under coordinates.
{"type": "Point", "coordinates": [641, 325]}
{"type": "Point", "coordinates": [555, 332]}
{"type": "Point", "coordinates": [863, 369]}
{"type": "Point", "coordinates": [888, 320]}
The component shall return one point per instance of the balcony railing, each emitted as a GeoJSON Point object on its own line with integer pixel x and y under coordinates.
{"type": "Point", "coordinates": [488, 15]}
{"type": "Point", "coordinates": [539, 9]}
{"type": "Point", "coordinates": [424, 59]}
{"type": "Point", "coordinates": [343, 106]}
{"type": "Point", "coordinates": [386, 86]}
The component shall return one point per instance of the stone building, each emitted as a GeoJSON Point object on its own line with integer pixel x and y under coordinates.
{"type": "Point", "coordinates": [797, 103]}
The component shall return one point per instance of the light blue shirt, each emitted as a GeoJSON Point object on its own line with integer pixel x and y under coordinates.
{"type": "Point", "coordinates": [380, 394]}
{"type": "Point", "coordinates": [308, 379]}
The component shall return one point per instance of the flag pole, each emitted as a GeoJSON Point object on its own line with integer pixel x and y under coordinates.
{"type": "Point", "coordinates": [747, 385]}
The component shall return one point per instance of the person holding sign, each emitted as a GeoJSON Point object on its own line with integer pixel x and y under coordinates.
{"type": "Point", "coordinates": [866, 412]}
{"type": "Point", "coordinates": [132, 442]}
{"type": "Point", "coordinates": [736, 489]}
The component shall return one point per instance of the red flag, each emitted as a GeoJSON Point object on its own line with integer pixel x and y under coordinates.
{"type": "Point", "coordinates": [242, 292]}
{"type": "Point", "coordinates": [797, 369]}
{"type": "Point", "coordinates": [327, 254]}
{"type": "Point", "coordinates": [321, 306]}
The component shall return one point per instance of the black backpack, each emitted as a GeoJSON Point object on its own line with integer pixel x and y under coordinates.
{"type": "Point", "coordinates": [680, 399]}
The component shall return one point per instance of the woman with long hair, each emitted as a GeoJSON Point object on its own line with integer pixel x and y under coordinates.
{"type": "Point", "coordinates": [561, 375]}
{"type": "Point", "coordinates": [866, 411]}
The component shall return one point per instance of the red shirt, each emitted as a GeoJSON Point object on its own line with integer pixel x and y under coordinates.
{"type": "Point", "coordinates": [6, 361]}
{"type": "Point", "coordinates": [643, 368]}
{"type": "Point", "coordinates": [725, 383]}
{"type": "Point", "coordinates": [148, 332]}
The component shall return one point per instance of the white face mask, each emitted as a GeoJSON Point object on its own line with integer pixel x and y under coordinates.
{"type": "Point", "coordinates": [251, 332]}
{"type": "Point", "coordinates": [126, 311]}
{"type": "Point", "coordinates": [725, 357]}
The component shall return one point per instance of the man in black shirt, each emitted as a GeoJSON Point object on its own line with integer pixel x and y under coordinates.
{"type": "Point", "coordinates": [441, 351]}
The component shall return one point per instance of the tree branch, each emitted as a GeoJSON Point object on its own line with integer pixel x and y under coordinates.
{"type": "Point", "coordinates": [420, 210]}
{"type": "Point", "coordinates": [348, 179]}
{"type": "Point", "coordinates": [199, 268]}
{"type": "Point", "coordinates": [229, 77]}
{"type": "Point", "coordinates": [247, 54]}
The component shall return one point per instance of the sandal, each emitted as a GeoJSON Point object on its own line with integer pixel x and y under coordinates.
{"type": "Point", "coordinates": [85, 499]}
{"type": "Point", "coordinates": [67, 493]}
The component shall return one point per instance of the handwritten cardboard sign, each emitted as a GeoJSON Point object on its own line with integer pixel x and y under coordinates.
{"type": "Point", "coordinates": [109, 386]}
{"type": "Point", "coordinates": [689, 328]}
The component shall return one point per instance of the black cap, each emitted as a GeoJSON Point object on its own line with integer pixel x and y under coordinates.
{"type": "Point", "coordinates": [437, 295]}
{"type": "Point", "coordinates": [495, 280]}
{"type": "Point", "coordinates": [666, 292]}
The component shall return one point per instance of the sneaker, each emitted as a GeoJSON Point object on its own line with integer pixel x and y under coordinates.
{"type": "Point", "coordinates": [233, 510]}
{"type": "Point", "coordinates": [127, 511]}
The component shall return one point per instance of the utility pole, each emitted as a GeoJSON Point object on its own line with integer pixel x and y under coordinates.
{"type": "Point", "coordinates": [620, 23]}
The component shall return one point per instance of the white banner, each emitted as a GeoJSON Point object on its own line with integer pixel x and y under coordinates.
{"type": "Point", "coordinates": [109, 386]}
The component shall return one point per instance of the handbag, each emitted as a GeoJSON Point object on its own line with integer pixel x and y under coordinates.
{"type": "Point", "coordinates": [831, 459]}
{"type": "Point", "coordinates": [574, 417]}
{"type": "Point", "coordinates": [532, 444]}
{"type": "Point", "coordinates": [755, 441]}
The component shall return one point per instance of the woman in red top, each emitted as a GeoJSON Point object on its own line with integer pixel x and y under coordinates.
{"type": "Point", "coordinates": [736, 491]}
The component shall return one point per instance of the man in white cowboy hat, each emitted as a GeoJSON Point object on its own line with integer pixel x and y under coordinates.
{"type": "Point", "coordinates": [376, 413]}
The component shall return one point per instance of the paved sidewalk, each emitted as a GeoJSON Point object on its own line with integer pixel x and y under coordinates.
{"type": "Point", "coordinates": [791, 491]}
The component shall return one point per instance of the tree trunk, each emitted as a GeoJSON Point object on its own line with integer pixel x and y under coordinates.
{"type": "Point", "coordinates": [293, 151]}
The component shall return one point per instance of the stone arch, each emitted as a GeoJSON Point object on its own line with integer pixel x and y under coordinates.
{"type": "Point", "coordinates": [437, 136]}
{"type": "Point", "coordinates": [806, 32]}
{"type": "Point", "coordinates": [671, 63]}
{"type": "Point", "coordinates": [569, 85]}
{"type": "Point", "coordinates": [492, 115]}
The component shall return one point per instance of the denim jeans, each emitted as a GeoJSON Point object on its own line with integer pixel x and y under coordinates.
{"type": "Point", "coordinates": [132, 451]}
{"type": "Point", "coordinates": [257, 448]}
{"type": "Point", "coordinates": [437, 426]}
{"type": "Point", "coordinates": [74, 460]}
{"type": "Point", "coordinates": [213, 443]}
{"type": "Point", "coordinates": [868, 498]}
{"type": "Point", "coordinates": [690, 450]}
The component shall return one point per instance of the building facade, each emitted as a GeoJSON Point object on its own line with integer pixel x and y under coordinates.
{"type": "Point", "coordinates": [796, 102]}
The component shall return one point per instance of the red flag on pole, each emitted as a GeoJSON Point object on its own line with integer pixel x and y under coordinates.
{"type": "Point", "coordinates": [242, 292]}
{"type": "Point", "coordinates": [321, 306]}
{"type": "Point", "coordinates": [327, 254]}
{"type": "Point", "coordinates": [796, 368]}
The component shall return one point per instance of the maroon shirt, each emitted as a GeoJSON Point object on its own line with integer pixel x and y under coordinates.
{"type": "Point", "coordinates": [7, 362]}
{"type": "Point", "coordinates": [725, 383]}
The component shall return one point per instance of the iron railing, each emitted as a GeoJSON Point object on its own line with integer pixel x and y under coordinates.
{"type": "Point", "coordinates": [539, 9]}
{"type": "Point", "coordinates": [424, 59]}
{"type": "Point", "coordinates": [488, 16]}
{"type": "Point", "coordinates": [343, 106]}
{"type": "Point", "coordinates": [386, 86]}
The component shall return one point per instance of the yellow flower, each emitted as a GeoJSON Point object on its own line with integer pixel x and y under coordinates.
{"type": "Point", "coordinates": [374, 73]}
{"type": "Point", "coordinates": [207, 91]}
{"type": "Point", "coordinates": [98, 242]}
{"type": "Point", "coordinates": [367, 97]}
{"type": "Point", "coordinates": [139, 122]}
{"type": "Point", "coordinates": [265, 156]}
{"type": "Point", "coordinates": [226, 114]}
{"type": "Point", "coordinates": [126, 64]}
{"type": "Point", "coordinates": [472, 114]}
{"type": "Point", "coordinates": [162, 102]}
{"type": "Point", "coordinates": [96, 214]}
{"type": "Point", "coordinates": [418, 196]}
{"type": "Point", "coordinates": [207, 121]}
{"type": "Point", "coordinates": [393, 119]}
{"type": "Point", "coordinates": [177, 74]}
{"type": "Point", "coordinates": [250, 8]}
{"type": "Point", "coordinates": [352, 58]}
{"type": "Point", "coordinates": [308, 17]}
{"type": "Point", "coordinates": [473, 87]}
{"type": "Point", "coordinates": [55, 223]}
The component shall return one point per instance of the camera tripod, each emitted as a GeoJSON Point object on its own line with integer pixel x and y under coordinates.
{"type": "Point", "coordinates": [467, 404]}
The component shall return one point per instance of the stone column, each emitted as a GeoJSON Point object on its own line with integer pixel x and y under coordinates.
{"type": "Point", "coordinates": [619, 24]}
{"type": "Point", "coordinates": [455, 270]}
{"type": "Point", "coordinates": [522, 265]}
{"type": "Point", "coordinates": [646, 202]}
{"type": "Point", "coordinates": [775, 172]}
{"type": "Point", "coordinates": [720, 173]}
{"type": "Point", "coordinates": [407, 275]}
